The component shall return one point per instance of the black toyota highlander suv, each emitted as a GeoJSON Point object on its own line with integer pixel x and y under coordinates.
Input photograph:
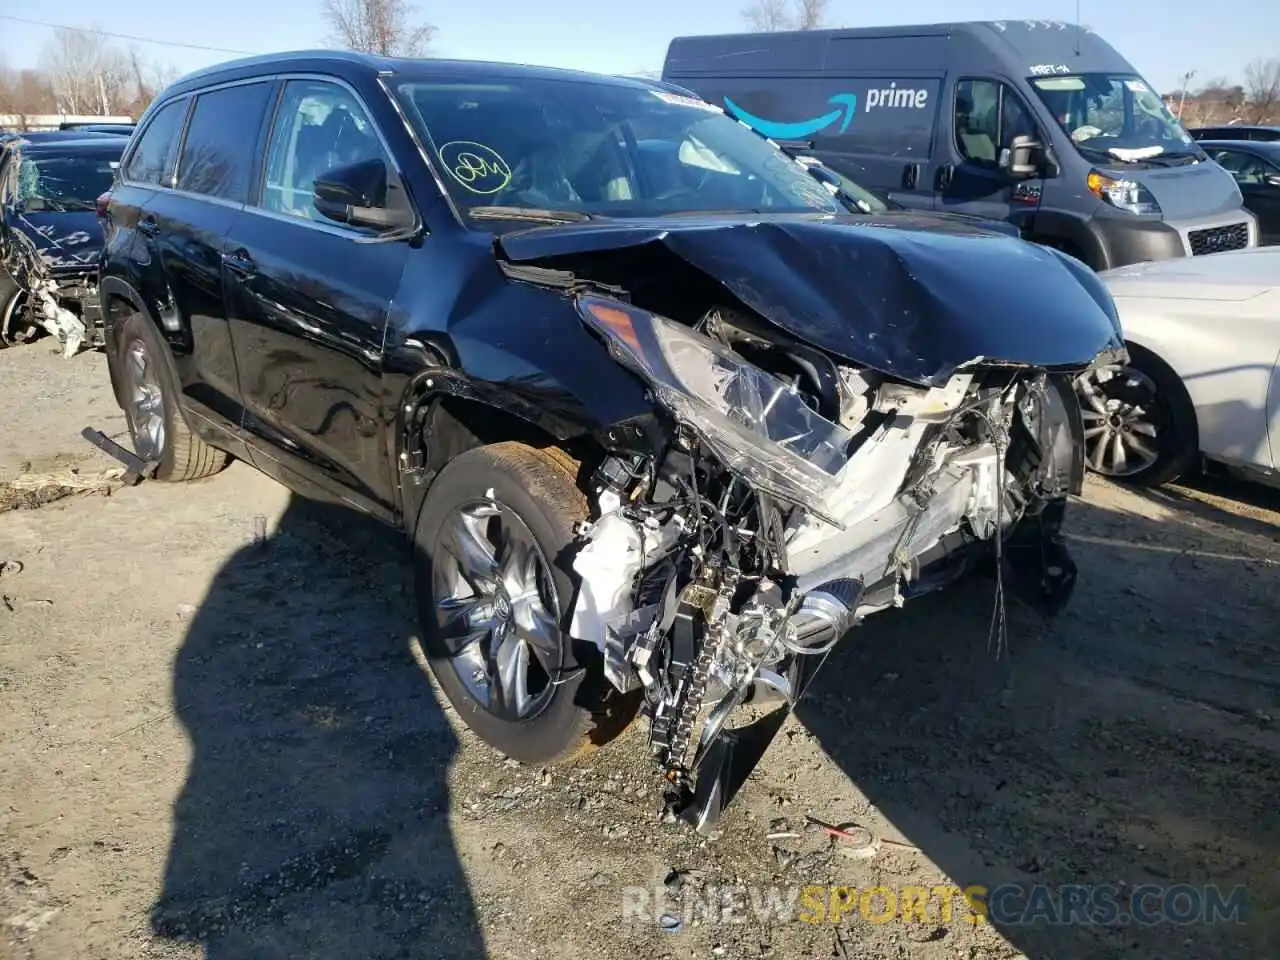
{"type": "Point", "coordinates": [659, 414]}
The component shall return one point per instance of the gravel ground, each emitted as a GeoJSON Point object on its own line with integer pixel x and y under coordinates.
{"type": "Point", "coordinates": [218, 744]}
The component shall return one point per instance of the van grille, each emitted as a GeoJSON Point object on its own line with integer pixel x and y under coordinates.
{"type": "Point", "coordinates": [1217, 239]}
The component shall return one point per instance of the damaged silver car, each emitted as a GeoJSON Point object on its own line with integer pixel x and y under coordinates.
{"type": "Point", "coordinates": [663, 418]}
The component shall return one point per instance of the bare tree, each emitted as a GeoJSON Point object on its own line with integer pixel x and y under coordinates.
{"type": "Point", "coordinates": [24, 92]}
{"type": "Point", "coordinates": [383, 27]}
{"type": "Point", "coordinates": [811, 14]}
{"type": "Point", "coordinates": [1262, 89]}
{"type": "Point", "coordinates": [147, 79]}
{"type": "Point", "coordinates": [768, 16]}
{"type": "Point", "coordinates": [86, 73]}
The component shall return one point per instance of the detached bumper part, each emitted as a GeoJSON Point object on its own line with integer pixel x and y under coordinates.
{"type": "Point", "coordinates": [731, 756]}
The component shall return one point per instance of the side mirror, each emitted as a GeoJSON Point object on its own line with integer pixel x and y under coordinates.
{"type": "Point", "coordinates": [1022, 158]}
{"type": "Point", "coordinates": [357, 194]}
{"type": "Point", "coordinates": [1273, 179]}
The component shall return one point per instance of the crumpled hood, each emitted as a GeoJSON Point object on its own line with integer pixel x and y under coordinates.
{"type": "Point", "coordinates": [910, 303]}
{"type": "Point", "coordinates": [68, 242]}
{"type": "Point", "coordinates": [949, 221]}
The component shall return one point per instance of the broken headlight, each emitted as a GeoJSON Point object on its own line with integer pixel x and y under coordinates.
{"type": "Point", "coordinates": [756, 424]}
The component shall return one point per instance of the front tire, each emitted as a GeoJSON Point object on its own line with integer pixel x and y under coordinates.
{"type": "Point", "coordinates": [1139, 422]}
{"type": "Point", "coordinates": [149, 397]}
{"type": "Point", "coordinates": [495, 586]}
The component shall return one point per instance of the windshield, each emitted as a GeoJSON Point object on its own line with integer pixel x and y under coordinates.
{"type": "Point", "coordinates": [601, 149]}
{"type": "Point", "coordinates": [863, 198]}
{"type": "Point", "coordinates": [66, 182]}
{"type": "Point", "coordinates": [1114, 116]}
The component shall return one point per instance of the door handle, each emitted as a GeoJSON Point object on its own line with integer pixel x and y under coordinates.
{"type": "Point", "coordinates": [148, 226]}
{"type": "Point", "coordinates": [240, 262]}
{"type": "Point", "coordinates": [944, 177]}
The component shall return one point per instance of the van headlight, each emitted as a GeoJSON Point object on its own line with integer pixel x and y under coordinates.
{"type": "Point", "coordinates": [1122, 194]}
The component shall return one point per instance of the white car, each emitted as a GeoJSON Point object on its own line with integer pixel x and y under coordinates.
{"type": "Point", "coordinates": [1204, 375]}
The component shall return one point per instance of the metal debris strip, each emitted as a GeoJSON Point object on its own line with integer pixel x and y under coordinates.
{"type": "Point", "coordinates": [136, 469]}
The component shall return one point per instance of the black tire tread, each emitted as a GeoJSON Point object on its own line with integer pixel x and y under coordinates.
{"type": "Point", "coordinates": [193, 459]}
{"type": "Point", "coordinates": [549, 474]}
{"type": "Point", "coordinates": [189, 457]}
{"type": "Point", "coordinates": [1180, 450]}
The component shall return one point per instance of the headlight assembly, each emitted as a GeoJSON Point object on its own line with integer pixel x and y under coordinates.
{"type": "Point", "coordinates": [758, 425]}
{"type": "Point", "coordinates": [1122, 194]}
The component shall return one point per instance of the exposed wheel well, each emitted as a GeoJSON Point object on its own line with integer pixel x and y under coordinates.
{"type": "Point", "coordinates": [1149, 360]}
{"type": "Point", "coordinates": [116, 310]}
{"type": "Point", "coordinates": [455, 425]}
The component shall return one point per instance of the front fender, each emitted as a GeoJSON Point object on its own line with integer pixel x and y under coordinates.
{"type": "Point", "coordinates": [524, 362]}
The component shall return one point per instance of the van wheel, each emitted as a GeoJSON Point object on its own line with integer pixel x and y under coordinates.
{"type": "Point", "coordinates": [493, 550]}
{"type": "Point", "coordinates": [149, 394]}
{"type": "Point", "coordinates": [1139, 422]}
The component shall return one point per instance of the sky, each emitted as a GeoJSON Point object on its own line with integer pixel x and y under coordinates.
{"type": "Point", "coordinates": [1163, 39]}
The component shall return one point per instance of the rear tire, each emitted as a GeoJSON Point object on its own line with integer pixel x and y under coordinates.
{"type": "Point", "coordinates": [149, 392]}
{"type": "Point", "coordinates": [480, 604]}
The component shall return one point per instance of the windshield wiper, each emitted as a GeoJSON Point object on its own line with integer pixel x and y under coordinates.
{"type": "Point", "coordinates": [1174, 159]}
{"type": "Point", "coordinates": [533, 214]}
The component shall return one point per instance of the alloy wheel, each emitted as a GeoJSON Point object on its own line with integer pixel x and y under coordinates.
{"type": "Point", "coordinates": [497, 610]}
{"type": "Point", "coordinates": [1123, 417]}
{"type": "Point", "coordinates": [146, 402]}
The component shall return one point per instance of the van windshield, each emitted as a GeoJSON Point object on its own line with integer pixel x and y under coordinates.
{"type": "Point", "coordinates": [1114, 117]}
{"type": "Point", "coordinates": [583, 149]}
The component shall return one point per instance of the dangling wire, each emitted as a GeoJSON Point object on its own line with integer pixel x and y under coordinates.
{"type": "Point", "coordinates": [999, 629]}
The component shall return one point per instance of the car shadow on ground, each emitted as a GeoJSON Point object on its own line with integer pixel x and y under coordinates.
{"type": "Point", "coordinates": [1132, 743]}
{"type": "Point", "coordinates": [314, 819]}
{"type": "Point", "coordinates": [1221, 485]}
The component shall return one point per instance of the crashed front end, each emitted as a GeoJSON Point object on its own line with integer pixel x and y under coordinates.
{"type": "Point", "coordinates": [781, 493]}
{"type": "Point", "coordinates": [55, 295]}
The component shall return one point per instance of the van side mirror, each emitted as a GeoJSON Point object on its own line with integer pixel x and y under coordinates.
{"type": "Point", "coordinates": [357, 195]}
{"type": "Point", "coordinates": [1023, 158]}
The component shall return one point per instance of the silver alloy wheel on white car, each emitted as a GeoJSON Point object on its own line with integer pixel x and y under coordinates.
{"type": "Point", "coordinates": [1123, 417]}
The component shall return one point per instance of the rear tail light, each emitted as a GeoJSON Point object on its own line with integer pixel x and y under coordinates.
{"type": "Point", "coordinates": [103, 201]}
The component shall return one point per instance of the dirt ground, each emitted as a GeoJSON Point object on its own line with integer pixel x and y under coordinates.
{"type": "Point", "coordinates": [216, 743]}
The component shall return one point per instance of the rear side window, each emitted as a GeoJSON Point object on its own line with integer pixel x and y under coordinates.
{"type": "Point", "coordinates": [222, 137]}
{"type": "Point", "coordinates": [151, 159]}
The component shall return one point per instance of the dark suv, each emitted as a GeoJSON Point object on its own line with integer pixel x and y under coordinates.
{"type": "Point", "coordinates": [661, 416]}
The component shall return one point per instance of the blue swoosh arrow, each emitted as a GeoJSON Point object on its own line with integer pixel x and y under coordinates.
{"type": "Point", "coordinates": [846, 102]}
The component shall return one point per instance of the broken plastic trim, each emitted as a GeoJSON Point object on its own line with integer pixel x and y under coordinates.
{"type": "Point", "coordinates": [757, 425]}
